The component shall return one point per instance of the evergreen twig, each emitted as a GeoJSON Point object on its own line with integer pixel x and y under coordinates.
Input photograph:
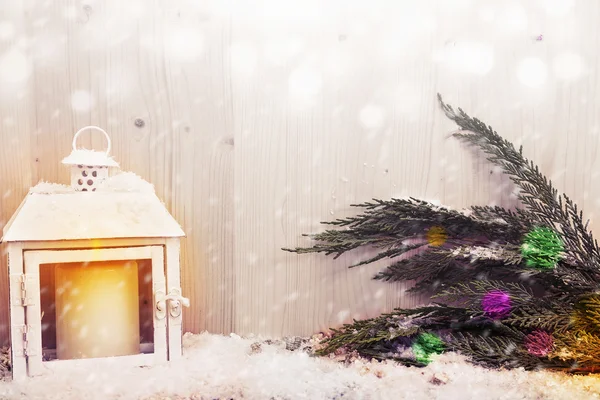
{"type": "Point", "coordinates": [463, 255]}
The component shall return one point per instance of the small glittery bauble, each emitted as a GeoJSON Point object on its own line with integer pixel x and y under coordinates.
{"type": "Point", "coordinates": [542, 248]}
{"type": "Point", "coordinates": [539, 343]}
{"type": "Point", "coordinates": [427, 345]}
{"type": "Point", "coordinates": [496, 304]}
{"type": "Point", "coordinates": [436, 236]}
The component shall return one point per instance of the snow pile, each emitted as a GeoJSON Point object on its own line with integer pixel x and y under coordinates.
{"type": "Point", "coordinates": [51, 188]}
{"type": "Point", "coordinates": [126, 182]}
{"type": "Point", "coordinates": [219, 367]}
{"type": "Point", "coordinates": [89, 157]}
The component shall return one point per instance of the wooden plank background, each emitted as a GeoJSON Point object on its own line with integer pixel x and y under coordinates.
{"type": "Point", "coordinates": [255, 120]}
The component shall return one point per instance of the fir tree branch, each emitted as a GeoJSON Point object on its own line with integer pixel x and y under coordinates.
{"type": "Point", "coordinates": [586, 315]}
{"type": "Point", "coordinates": [520, 219]}
{"type": "Point", "coordinates": [363, 336]}
{"type": "Point", "coordinates": [537, 192]}
{"type": "Point", "coordinates": [420, 266]}
{"type": "Point", "coordinates": [580, 348]}
{"type": "Point", "coordinates": [437, 269]}
{"type": "Point", "coordinates": [391, 253]}
{"type": "Point", "coordinates": [501, 351]}
{"type": "Point", "coordinates": [388, 224]}
{"type": "Point", "coordinates": [465, 255]}
{"type": "Point", "coordinates": [470, 294]}
{"type": "Point", "coordinates": [550, 316]}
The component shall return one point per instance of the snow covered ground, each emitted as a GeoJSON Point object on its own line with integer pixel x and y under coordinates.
{"type": "Point", "coordinates": [230, 367]}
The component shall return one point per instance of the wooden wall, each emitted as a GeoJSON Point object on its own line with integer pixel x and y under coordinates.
{"type": "Point", "coordinates": [255, 120]}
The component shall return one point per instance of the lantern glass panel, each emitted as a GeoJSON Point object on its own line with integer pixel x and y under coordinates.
{"type": "Point", "coordinates": [88, 311]}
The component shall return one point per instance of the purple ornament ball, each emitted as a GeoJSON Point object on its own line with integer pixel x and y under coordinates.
{"type": "Point", "coordinates": [496, 304]}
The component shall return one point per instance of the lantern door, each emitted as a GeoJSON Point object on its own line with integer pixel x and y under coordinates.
{"type": "Point", "coordinates": [107, 306]}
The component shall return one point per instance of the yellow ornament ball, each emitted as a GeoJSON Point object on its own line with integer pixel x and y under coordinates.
{"type": "Point", "coordinates": [436, 236]}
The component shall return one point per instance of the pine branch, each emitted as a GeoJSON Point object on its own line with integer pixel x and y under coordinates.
{"type": "Point", "coordinates": [579, 348]}
{"type": "Point", "coordinates": [365, 335]}
{"type": "Point", "coordinates": [388, 224]}
{"type": "Point", "coordinates": [391, 253]}
{"type": "Point", "coordinates": [537, 192]}
{"type": "Point", "coordinates": [470, 294]}
{"type": "Point", "coordinates": [573, 280]}
{"type": "Point", "coordinates": [550, 316]}
{"type": "Point", "coordinates": [520, 219]}
{"type": "Point", "coordinates": [421, 266]}
{"type": "Point", "coordinates": [586, 315]}
{"type": "Point", "coordinates": [437, 269]}
{"type": "Point", "coordinates": [502, 351]}
{"type": "Point", "coordinates": [475, 270]}
{"type": "Point", "coordinates": [486, 351]}
{"type": "Point", "coordinates": [464, 256]}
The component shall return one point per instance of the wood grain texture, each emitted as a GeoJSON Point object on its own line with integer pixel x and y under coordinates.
{"type": "Point", "coordinates": [257, 120]}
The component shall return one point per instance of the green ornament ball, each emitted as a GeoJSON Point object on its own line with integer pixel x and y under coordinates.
{"type": "Point", "coordinates": [542, 248]}
{"type": "Point", "coordinates": [426, 345]}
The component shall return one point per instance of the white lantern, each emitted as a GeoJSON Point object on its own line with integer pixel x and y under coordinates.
{"type": "Point", "coordinates": [89, 168]}
{"type": "Point", "coordinates": [101, 270]}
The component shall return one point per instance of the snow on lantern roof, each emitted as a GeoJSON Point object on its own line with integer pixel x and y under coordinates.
{"type": "Point", "coordinates": [89, 157]}
{"type": "Point", "coordinates": [124, 206]}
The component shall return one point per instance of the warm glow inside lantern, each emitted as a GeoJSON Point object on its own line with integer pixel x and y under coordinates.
{"type": "Point", "coordinates": [94, 275]}
{"type": "Point", "coordinates": [97, 309]}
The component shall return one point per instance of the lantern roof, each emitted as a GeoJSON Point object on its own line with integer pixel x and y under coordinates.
{"type": "Point", "coordinates": [125, 206]}
{"type": "Point", "coordinates": [90, 158]}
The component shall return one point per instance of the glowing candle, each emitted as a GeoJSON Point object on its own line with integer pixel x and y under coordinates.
{"type": "Point", "coordinates": [97, 309]}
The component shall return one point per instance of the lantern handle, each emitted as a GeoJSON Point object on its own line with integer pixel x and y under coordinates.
{"type": "Point", "coordinates": [92, 127]}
